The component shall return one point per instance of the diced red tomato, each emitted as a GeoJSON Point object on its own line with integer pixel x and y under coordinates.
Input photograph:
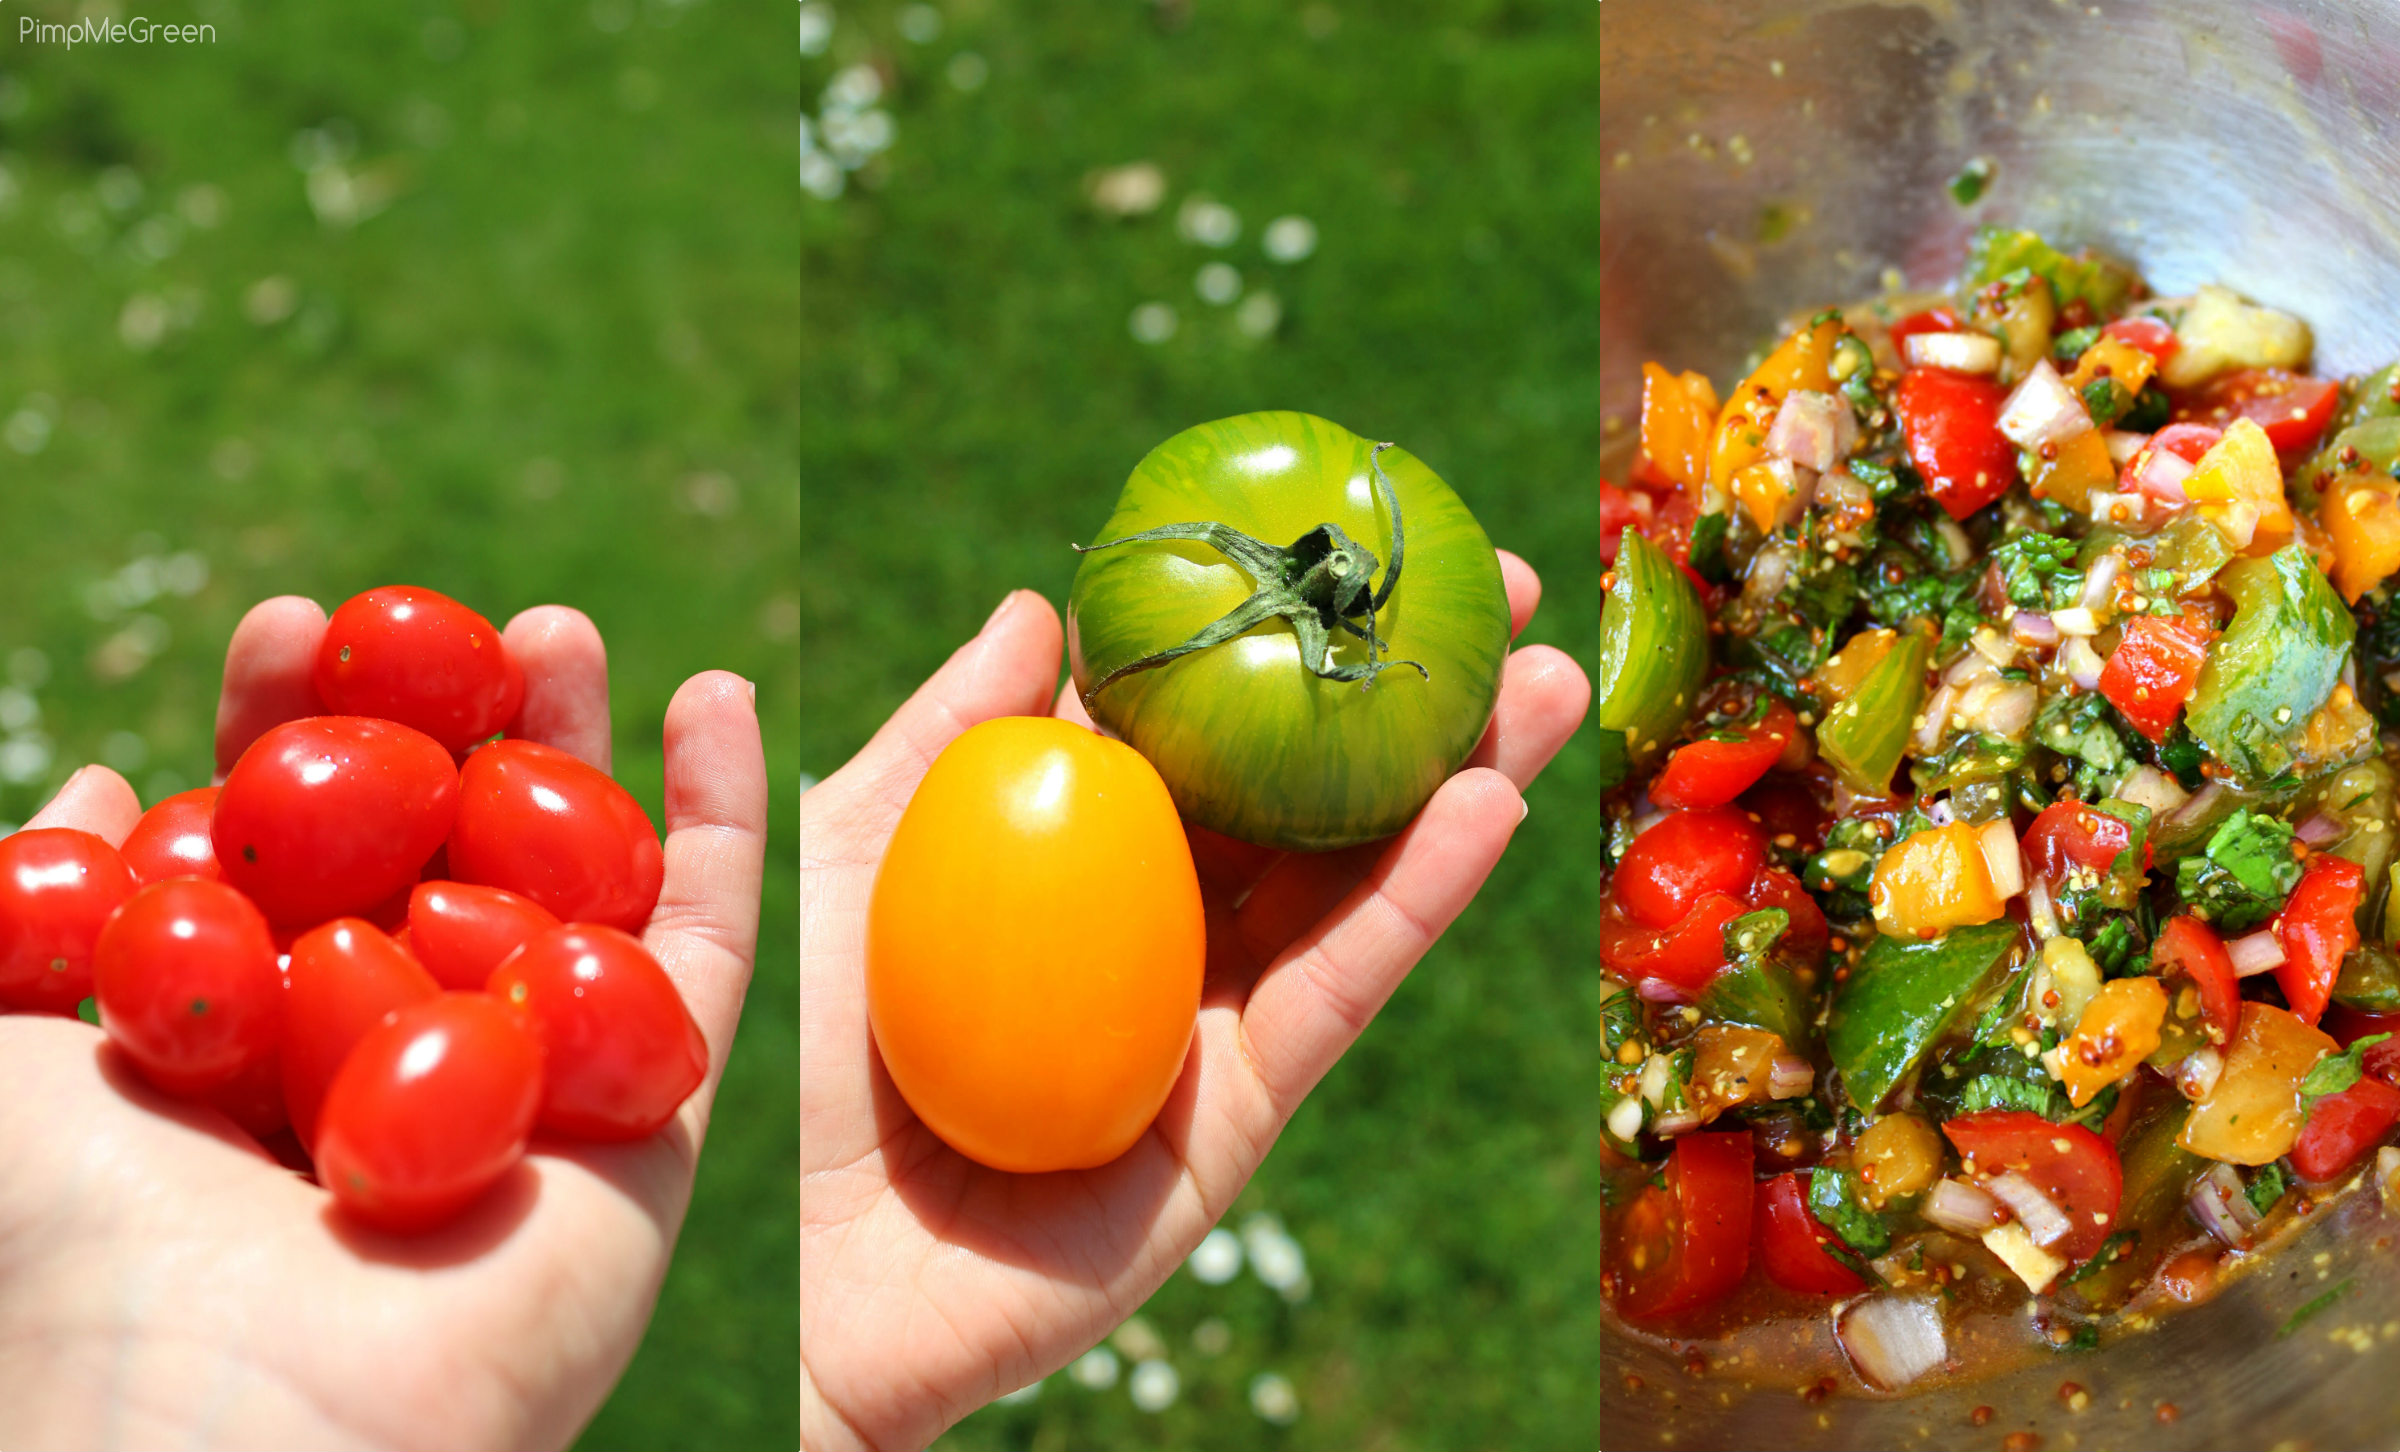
{"type": "Point", "coordinates": [2070, 834]}
{"type": "Point", "coordinates": [1688, 855]}
{"type": "Point", "coordinates": [1790, 1242]}
{"type": "Point", "coordinates": [1711, 773]}
{"type": "Point", "coordinates": [2349, 1025]}
{"type": "Point", "coordinates": [2156, 664]}
{"type": "Point", "coordinates": [1932, 320]}
{"type": "Point", "coordinates": [1687, 1245]}
{"type": "Point", "coordinates": [1787, 808]}
{"type": "Point", "coordinates": [1952, 424]}
{"type": "Point", "coordinates": [1804, 941]}
{"type": "Point", "coordinates": [2343, 1127]}
{"type": "Point", "coordinates": [2318, 926]}
{"type": "Point", "coordinates": [2191, 947]}
{"type": "Point", "coordinates": [2189, 442]}
{"type": "Point", "coordinates": [1686, 955]}
{"type": "Point", "coordinates": [2076, 1168]}
{"type": "Point", "coordinates": [1619, 510]}
{"type": "Point", "coordinates": [2148, 334]}
{"type": "Point", "coordinates": [2292, 407]}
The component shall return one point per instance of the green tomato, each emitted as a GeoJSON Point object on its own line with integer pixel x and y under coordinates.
{"type": "Point", "coordinates": [1252, 741]}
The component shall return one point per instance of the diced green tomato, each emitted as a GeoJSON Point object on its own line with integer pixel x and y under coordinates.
{"type": "Point", "coordinates": [1762, 993]}
{"type": "Point", "coordinates": [1902, 997]}
{"type": "Point", "coordinates": [2219, 333]}
{"type": "Point", "coordinates": [2192, 549]}
{"type": "Point", "coordinates": [2253, 1114]}
{"type": "Point", "coordinates": [2158, 1171]}
{"type": "Point", "coordinates": [1998, 251]}
{"type": "Point", "coordinates": [2369, 981]}
{"type": "Point", "coordinates": [1708, 773]}
{"type": "Point", "coordinates": [2275, 665]}
{"type": "Point", "coordinates": [2370, 397]}
{"type": "Point", "coordinates": [2342, 1127]}
{"type": "Point", "coordinates": [1653, 652]}
{"type": "Point", "coordinates": [2151, 674]}
{"type": "Point", "coordinates": [2318, 926]}
{"type": "Point", "coordinates": [2372, 445]}
{"type": "Point", "coordinates": [1864, 733]}
{"type": "Point", "coordinates": [2361, 798]}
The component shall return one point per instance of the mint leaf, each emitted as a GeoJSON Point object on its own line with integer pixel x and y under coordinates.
{"type": "Point", "coordinates": [2336, 1072]}
{"type": "Point", "coordinates": [1834, 1197]}
{"type": "Point", "coordinates": [2241, 879]}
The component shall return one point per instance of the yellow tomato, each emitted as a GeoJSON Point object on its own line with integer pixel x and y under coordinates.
{"type": "Point", "coordinates": [2118, 1030]}
{"type": "Point", "coordinates": [1035, 947]}
{"type": "Point", "coordinates": [1933, 881]}
{"type": "Point", "coordinates": [1679, 413]}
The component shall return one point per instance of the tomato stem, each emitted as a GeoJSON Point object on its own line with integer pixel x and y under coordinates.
{"type": "Point", "coordinates": [1323, 581]}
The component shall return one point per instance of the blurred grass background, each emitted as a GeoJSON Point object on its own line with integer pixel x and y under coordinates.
{"type": "Point", "coordinates": [497, 299]}
{"type": "Point", "coordinates": [976, 393]}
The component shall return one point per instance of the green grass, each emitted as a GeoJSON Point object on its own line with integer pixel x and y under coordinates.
{"type": "Point", "coordinates": [975, 400]}
{"type": "Point", "coordinates": [556, 364]}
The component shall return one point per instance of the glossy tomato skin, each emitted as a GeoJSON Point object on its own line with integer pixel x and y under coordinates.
{"type": "Point", "coordinates": [1709, 773]}
{"type": "Point", "coordinates": [1035, 946]}
{"type": "Point", "coordinates": [2319, 927]}
{"type": "Point", "coordinates": [422, 659]}
{"type": "Point", "coordinates": [2076, 1168]}
{"type": "Point", "coordinates": [550, 827]}
{"type": "Point", "coordinates": [2153, 670]}
{"type": "Point", "coordinates": [1686, 856]}
{"type": "Point", "coordinates": [332, 815]}
{"type": "Point", "coordinates": [57, 889]}
{"type": "Point", "coordinates": [1699, 1247]}
{"type": "Point", "coordinates": [1952, 425]}
{"type": "Point", "coordinates": [171, 839]}
{"type": "Point", "coordinates": [2343, 1127]}
{"type": "Point", "coordinates": [1251, 743]}
{"type": "Point", "coordinates": [620, 1051]}
{"type": "Point", "coordinates": [461, 932]}
{"type": "Point", "coordinates": [188, 985]}
{"type": "Point", "coordinates": [345, 977]}
{"type": "Point", "coordinates": [1791, 1242]}
{"type": "Point", "coordinates": [2192, 948]}
{"type": "Point", "coordinates": [430, 1109]}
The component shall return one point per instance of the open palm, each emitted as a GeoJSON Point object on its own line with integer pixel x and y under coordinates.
{"type": "Point", "coordinates": [929, 1284]}
{"type": "Point", "coordinates": [164, 1280]}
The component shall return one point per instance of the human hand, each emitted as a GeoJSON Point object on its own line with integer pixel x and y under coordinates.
{"type": "Point", "coordinates": [932, 1284]}
{"type": "Point", "coordinates": [164, 1280]}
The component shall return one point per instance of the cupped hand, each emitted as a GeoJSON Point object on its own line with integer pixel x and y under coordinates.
{"type": "Point", "coordinates": [165, 1281]}
{"type": "Point", "coordinates": [929, 1284]}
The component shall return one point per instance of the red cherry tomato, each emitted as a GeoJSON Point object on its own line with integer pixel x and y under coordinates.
{"type": "Point", "coordinates": [1710, 773]}
{"type": "Point", "coordinates": [620, 1051]}
{"type": "Point", "coordinates": [1687, 955]}
{"type": "Point", "coordinates": [188, 986]}
{"type": "Point", "coordinates": [1787, 808]}
{"type": "Point", "coordinates": [2348, 1025]}
{"type": "Point", "coordinates": [2156, 664]}
{"type": "Point", "coordinates": [422, 659]}
{"type": "Point", "coordinates": [431, 1108]}
{"type": "Point", "coordinates": [1621, 509]}
{"type": "Point", "coordinates": [2076, 1168]}
{"type": "Point", "coordinates": [1791, 1241]}
{"type": "Point", "coordinates": [1932, 320]}
{"type": "Point", "coordinates": [2148, 334]}
{"type": "Point", "coordinates": [345, 978]}
{"type": "Point", "coordinates": [254, 1100]}
{"type": "Point", "coordinates": [2191, 947]}
{"type": "Point", "coordinates": [2293, 408]}
{"type": "Point", "coordinates": [332, 815]}
{"type": "Point", "coordinates": [1686, 856]}
{"type": "Point", "coordinates": [2189, 442]}
{"type": "Point", "coordinates": [1805, 940]}
{"type": "Point", "coordinates": [545, 825]}
{"type": "Point", "coordinates": [1952, 425]}
{"type": "Point", "coordinates": [1683, 1247]}
{"type": "Point", "coordinates": [2318, 926]}
{"type": "Point", "coordinates": [171, 839]}
{"type": "Point", "coordinates": [2343, 1127]}
{"type": "Point", "coordinates": [461, 932]}
{"type": "Point", "coordinates": [57, 888]}
{"type": "Point", "coordinates": [2069, 834]}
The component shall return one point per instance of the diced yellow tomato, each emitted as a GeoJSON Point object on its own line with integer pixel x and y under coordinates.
{"type": "Point", "coordinates": [2118, 1030]}
{"type": "Point", "coordinates": [2253, 1114]}
{"type": "Point", "coordinates": [1802, 361]}
{"type": "Point", "coordinates": [1730, 1066]}
{"type": "Point", "coordinates": [2075, 469]}
{"type": "Point", "coordinates": [1679, 414]}
{"type": "Point", "coordinates": [1898, 1155]}
{"type": "Point", "coordinates": [1838, 678]}
{"type": "Point", "coordinates": [1933, 881]}
{"type": "Point", "coordinates": [2337, 732]}
{"type": "Point", "coordinates": [1765, 490]}
{"type": "Point", "coordinates": [2363, 517]}
{"type": "Point", "coordinates": [2115, 359]}
{"type": "Point", "coordinates": [2239, 488]}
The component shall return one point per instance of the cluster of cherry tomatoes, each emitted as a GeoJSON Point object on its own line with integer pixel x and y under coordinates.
{"type": "Point", "coordinates": [409, 943]}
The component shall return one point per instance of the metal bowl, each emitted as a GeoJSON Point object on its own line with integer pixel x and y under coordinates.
{"type": "Point", "coordinates": [1762, 159]}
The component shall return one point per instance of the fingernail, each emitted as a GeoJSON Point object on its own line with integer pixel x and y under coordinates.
{"type": "Point", "coordinates": [997, 611]}
{"type": "Point", "coordinates": [753, 685]}
{"type": "Point", "coordinates": [1524, 809]}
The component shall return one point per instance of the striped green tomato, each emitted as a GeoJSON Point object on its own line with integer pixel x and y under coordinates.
{"type": "Point", "coordinates": [1252, 741]}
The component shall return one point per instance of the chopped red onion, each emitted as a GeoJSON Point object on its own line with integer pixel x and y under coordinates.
{"type": "Point", "coordinates": [2196, 1076]}
{"type": "Point", "coordinates": [1892, 1340]}
{"type": "Point", "coordinates": [2082, 664]}
{"type": "Point", "coordinates": [2122, 446]}
{"type": "Point", "coordinates": [2147, 786]}
{"type": "Point", "coordinates": [2318, 830]}
{"type": "Point", "coordinates": [2221, 1203]}
{"type": "Point", "coordinates": [1813, 430]}
{"type": "Point", "coordinates": [1675, 1122]}
{"type": "Point", "coordinates": [2160, 473]}
{"type": "Point", "coordinates": [1957, 352]}
{"type": "Point", "coordinates": [2037, 1212]}
{"type": "Point", "coordinates": [1936, 717]}
{"type": "Point", "coordinates": [2033, 629]}
{"type": "Point", "coordinates": [1660, 990]}
{"type": "Point", "coordinates": [2202, 804]}
{"type": "Point", "coordinates": [1789, 1077]}
{"type": "Point", "coordinates": [2255, 953]}
{"type": "Point", "coordinates": [1962, 1209]}
{"type": "Point", "coordinates": [2043, 410]}
{"type": "Point", "coordinates": [2099, 586]}
{"type": "Point", "coordinates": [2009, 710]}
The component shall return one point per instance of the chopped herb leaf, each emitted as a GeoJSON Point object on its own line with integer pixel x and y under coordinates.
{"type": "Point", "coordinates": [2027, 562]}
{"type": "Point", "coordinates": [2266, 1187]}
{"type": "Point", "coordinates": [2321, 1303]}
{"type": "Point", "coordinates": [2337, 1072]}
{"type": "Point", "coordinates": [1834, 1198]}
{"type": "Point", "coordinates": [2245, 873]}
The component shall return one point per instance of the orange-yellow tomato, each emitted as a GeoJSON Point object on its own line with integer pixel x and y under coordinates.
{"type": "Point", "coordinates": [1035, 947]}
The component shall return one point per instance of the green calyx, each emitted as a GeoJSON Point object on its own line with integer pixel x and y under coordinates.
{"type": "Point", "coordinates": [1323, 582]}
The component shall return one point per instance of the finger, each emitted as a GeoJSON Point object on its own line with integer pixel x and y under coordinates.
{"type": "Point", "coordinates": [1543, 696]}
{"type": "Point", "coordinates": [94, 800]}
{"type": "Point", "coordinates": [704, 931]}
{"type": "Point", "coordinates": [566, 681]}
{"type": "Point", "coordinates": [1524, 591]}
{"type": "Point", "coordinates": [1010, 668]}
{"type": "Point", "coordinates": [1295, 894]}
{"type": "Point", "coordinates": [1069, 706]}
{"type": "Point", "coordinates": [268, 665]}
{"type": "Point", "coordinates": [1325, 989]}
